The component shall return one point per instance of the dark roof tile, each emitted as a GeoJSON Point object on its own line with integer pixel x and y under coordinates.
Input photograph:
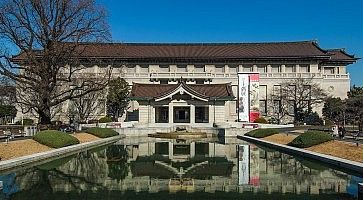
{"type": "Point", "coordinates": [158, 90]}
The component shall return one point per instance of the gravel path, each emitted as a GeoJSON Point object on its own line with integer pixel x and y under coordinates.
{"type": "Point", "coordinates": [25, 147]}
{"type": "Point", "coordinates": [20, 148]}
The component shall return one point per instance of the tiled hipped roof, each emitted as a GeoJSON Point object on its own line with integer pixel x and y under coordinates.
{"type": "Point", "coordinates": [208, 91]}
{"type": "Point", "coordinates": [205, 51]}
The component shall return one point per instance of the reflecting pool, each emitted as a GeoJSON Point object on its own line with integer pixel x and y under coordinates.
{"type": "Point", "coordinates": [150, 168]}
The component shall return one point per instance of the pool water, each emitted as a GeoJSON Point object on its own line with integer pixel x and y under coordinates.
{"type": "Point", "coordinates": [150, 168]}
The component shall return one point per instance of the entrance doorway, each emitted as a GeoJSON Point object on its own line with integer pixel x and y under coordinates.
{"type": "Point", "coordinates": [181, 114]}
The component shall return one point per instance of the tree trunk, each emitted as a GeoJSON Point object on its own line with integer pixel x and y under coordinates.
{"type": "Point", "coordinates": [45, 116]}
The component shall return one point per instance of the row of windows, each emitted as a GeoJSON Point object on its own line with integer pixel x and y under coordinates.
{"type": "Point", "coordinates": [218, 68]}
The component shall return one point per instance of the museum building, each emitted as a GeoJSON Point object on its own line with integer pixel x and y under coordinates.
{"type": "Point", "coordinates": [197, 83]}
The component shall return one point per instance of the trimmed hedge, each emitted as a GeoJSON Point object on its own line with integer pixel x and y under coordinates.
{"type": "Point", "coordinates": [105, 120]}
{"type": "Point", "coordinates": [310, 138]}
{"type": "Point", "coordinates": [261, 120]}
{"type": "Point", "coordinates": [102, 132]}
{"type": "Point", "coordinates": [55, 139]}
{"type": "Point", "coordinates": [261, 133]}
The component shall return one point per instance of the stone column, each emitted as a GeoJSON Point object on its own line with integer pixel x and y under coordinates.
{"type": "Point", "coordinates": [297, 67]}
{"type": "Point", "coordinates": [254, 68]}
{"type": "Point", "coordinates": [283, 69]}
{"type": "Point", "coordinates": [314, 68]}
{"type": "Point", "coordinates": [192, 114]}
{"type": "Point", "coordinates": [269, 69]}
{"type": "Point", "coordinates": [226, 69]}
{"type": "Point", "coordinates": [240, 68]}
{"type": "Point", "coordinates": [171, 113]}
{"type": "Point", "coordinates": [171, 151]}
{"type": "Point", "coordinates": [192, 149]}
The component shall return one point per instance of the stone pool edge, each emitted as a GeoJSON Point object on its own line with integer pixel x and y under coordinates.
{"type": "Point", "coordinates": [55, 153]}
{"type": "Point", "coordinates": [332, 160]}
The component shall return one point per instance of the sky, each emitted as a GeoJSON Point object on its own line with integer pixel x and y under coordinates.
{"type": "Point", "coordinates": [333, 23]}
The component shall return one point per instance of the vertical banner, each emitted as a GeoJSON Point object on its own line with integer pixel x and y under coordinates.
{"type": "Point", "coordinates": [243, 164]}
{"type": "Point", "coordinates": [254, 165]}
{"type": "Point", "coordinates": [243, 97]}
{"type": "Point", "coordinates": [254, 97]}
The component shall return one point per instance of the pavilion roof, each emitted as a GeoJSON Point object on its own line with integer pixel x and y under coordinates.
{"type": "Point", "coordinates": [202, 91]}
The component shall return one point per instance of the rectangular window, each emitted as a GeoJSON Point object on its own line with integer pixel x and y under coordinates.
{"type": "Point", "coordinates": [276, 106]}
{"type": "Point", "coordinates": [328, 70]}
{"type": "Point", "coordinates": [219, 69]}
{"type": "Point", "coordinates": [181, 68]}
{"type": "Point", "coordinates": [163, 81]}
{"type": "Point", "coordinates": [161, 115]}
{"type": "Point", "coordinates": [263, 107]}
{"type": "Point", "coordinates": [307, 91]}
{"type": "Point", "coordinates": [261, 69]}
{"type": "Point", "coordinates": [304, 68]}
{"type": "Point", "coordinates": [290, 68]}
{"type": "Point", "coordinates": [291, 93]}
{"type": "Point", "coordinates": [247, 68]}
{"type": "Point", "coordinates": [277, 90]}
{"type": "Point", "coordinates": [275, 68]}
{"type": "Point", "coordinates": [263, 92]}
{"type": "Point", "coordinates": [233, 69]}
{"type": "Point", "coordinates": [199, 81]}
{"type": "Point", "coordinates": [201, 114]}
{"type": "Point", "coordinates": [291, 107]}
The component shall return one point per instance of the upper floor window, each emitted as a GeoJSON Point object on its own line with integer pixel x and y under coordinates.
{"type": "Point", "coordinates": [304, 68]}
{"type": "Point", "coordinates": [261, 69]}
{"type": "Point", "coordinates": [247, 68]}
{"type": "Point", "coordinates": [328, 70]}
{"type": "Point", "coordinates": [290, 68]}
{"type": "Point", "coordinates": [198, 68]}
{"type": "Point", "coordinates": [275, 68]}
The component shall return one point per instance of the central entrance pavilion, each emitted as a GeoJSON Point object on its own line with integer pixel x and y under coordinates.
{"type": "Point", "coordinates": [181, 103]}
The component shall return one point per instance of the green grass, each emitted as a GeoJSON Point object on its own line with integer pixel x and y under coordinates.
{"type": "Point", "coordinates": [261, 133]}
{"type": "Point", "coordinates": [55, 139]}
{"type": "Point", "coordinates": [102, 132]}
{"type": "Point", "coordinates": [310, 138]}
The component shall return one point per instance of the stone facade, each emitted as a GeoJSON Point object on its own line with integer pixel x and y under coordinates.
{"type": "Point", "coordinates": [219, 64]}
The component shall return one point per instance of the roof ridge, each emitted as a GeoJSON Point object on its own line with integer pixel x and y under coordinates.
{"type": "Point", "coordinates": [193, 43]}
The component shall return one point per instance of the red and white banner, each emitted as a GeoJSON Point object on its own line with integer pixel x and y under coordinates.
{"type": "Point", "coordinates": [248, 96]}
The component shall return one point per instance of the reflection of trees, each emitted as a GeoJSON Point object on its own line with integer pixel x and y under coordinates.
{"type": "Point", "coordinates": [118, 167]}
{"type": "Point", "coordinates": [85, 171]}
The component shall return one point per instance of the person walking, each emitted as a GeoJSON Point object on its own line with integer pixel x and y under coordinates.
{"type": "Point", "coordinates": [340, 132]}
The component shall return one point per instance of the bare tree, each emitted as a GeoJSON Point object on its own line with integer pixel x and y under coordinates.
{"type": "Point", "coordinates": [92, 103]}
{"type": "Point", "coordinates": [49, 35]}
{"type": "Point", "coordinates": [296, 97]}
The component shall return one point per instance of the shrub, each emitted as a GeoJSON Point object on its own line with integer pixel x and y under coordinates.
{"type": "Point", "coordinates": [329, 123]}
{"type": "Point", "coordinates": [261, 133]}
{"type": "Point", "coordinates": [313, 118]}
{"type": "Point", "coordinates": [55, 139]}
{"type": "Point", "coordinates": [261, 120]}
{"type": "Point", "coordinates": [102, 132]}
{"type": "Point", "coordinates": [310, 138]}
{"type": "Point", "coordinates": [105, 120]}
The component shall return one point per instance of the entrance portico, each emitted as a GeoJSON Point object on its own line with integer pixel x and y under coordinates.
{"type": "Point", "coordinates": [181, 103]}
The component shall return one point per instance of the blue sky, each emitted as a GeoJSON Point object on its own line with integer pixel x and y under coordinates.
{"type": "Point", "coordinates": [333, 23]}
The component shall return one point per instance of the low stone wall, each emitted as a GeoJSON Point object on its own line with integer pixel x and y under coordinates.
{"type": "Point", "coordinates": [335, 161]}
{"type": "Point", "coordinates": [43, 157]}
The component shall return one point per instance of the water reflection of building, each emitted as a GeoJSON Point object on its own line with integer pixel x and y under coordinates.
{"type": "Point", "coordinates": [152, 164]}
